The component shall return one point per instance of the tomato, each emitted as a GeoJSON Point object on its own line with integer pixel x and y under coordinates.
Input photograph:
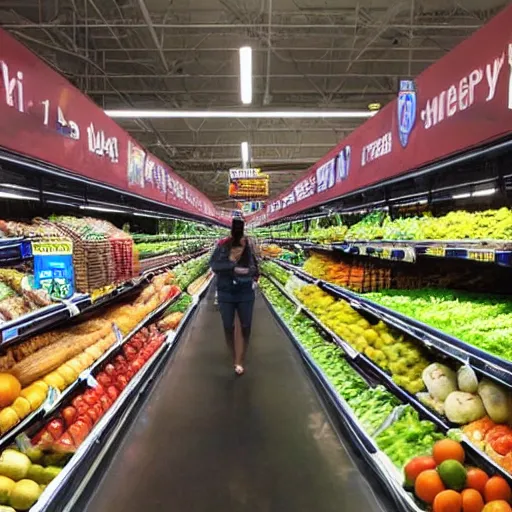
{"type": "Point", "coordinates": [69, 415]}
{"type": "Point", "coordinates": [99, 409]}
{"type": "Point", "coordinates": [121, 360]}
{"type": "Point", "coordinates": [110, 370]}
{"type": "Point", "coordinates": [104, 379]}
{"type": "Point", "coordinates": [502, 445]}
{"type": "Point", "coordinates": [56, 428]}
{"type": "Point", "coordinates": [416, 465]}
{"type": "Point", "coordinates": [86, 419]}
{"type": "Point", "coordinates": [93, 415]}
{"type": "Point", "coordinates": [78, 431]}
{"type": "Point", "coordinates": [80, 404]}
{"type": "Point", "coordinates": [65, 444]}
{"type": "Point", "coordinates": [105, 402]}
{"type": "Point", "coordinates": [137, 365]}
{"type": "Point", "coordinates": [112, 392]}
{"type": "Point", "coordinates": [90, 397]}
{"type": "Point", "coordinates": [129, 352]}
{"type": "Point", "coordinates": [45, 439]}
{"type": "Point", "coordinates": [121, 382]}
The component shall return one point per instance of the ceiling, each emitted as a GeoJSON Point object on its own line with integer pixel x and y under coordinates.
{"type": "Point", "coordinates": [311, 54]}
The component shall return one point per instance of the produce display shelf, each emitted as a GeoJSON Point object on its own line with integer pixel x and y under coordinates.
{"type": "Point", "coordinates": [363, 442]}
{"type": "Point", "coordinates": [48, 317]}
{"type": "Point", "coordinates": [158, 263]}
{"type": "Point", "coordinates": [486, 364]}
{"type": "Point", "coordinates": [13, 251]}
{"type": "Point", "coordinates": [365, 366]}
{"type": "Point", "coordinates": [372, 373]}
{"type": "Point", "coordinates": [55, 398]}
{"type": "Point", "coordinates": [484, 251]}
{"type": "Point", "coordinates": [68, 487]}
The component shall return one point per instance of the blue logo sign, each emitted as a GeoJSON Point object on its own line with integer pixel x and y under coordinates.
{"type": "Point", "coordinates": [343, 164]}
{"type": "Point", "coordinates": [406, 110]}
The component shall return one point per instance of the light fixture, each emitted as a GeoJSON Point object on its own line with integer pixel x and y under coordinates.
{"type": "Point", "coordinates": [150, 215]}
{"type": "Point", "coordinates": [239, 114]}
{"type": "Point", "coordinates": [484, 192]}
{"type": "Point", "coordinates": [102, 209]}
{"type": "Point", "coordinates": [245, 153]}
{"type": "Point", "coordinates": [246, 75]}
{"type": "Point", "coordinates": [373, 107]}
{"type": "Point", "coordinates": [461, 196]}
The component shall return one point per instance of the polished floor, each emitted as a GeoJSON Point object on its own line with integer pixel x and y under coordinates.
{"type": "Point", "coordinates": [206, 441]}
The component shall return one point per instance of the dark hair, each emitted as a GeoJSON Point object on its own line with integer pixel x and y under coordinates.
{"type": "Point", "coordinates": [237, 231]}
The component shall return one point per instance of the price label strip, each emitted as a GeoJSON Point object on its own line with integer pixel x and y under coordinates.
{"type": "Point", "coordinates": [437, 251]}
{"type": "Point", "coordinates": [484, 255]}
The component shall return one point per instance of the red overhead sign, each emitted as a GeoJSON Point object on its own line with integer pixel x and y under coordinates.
{"type": "Point", "coordinates": [43, 116]}
{"type": "Point", "coordinates": [462, 101]}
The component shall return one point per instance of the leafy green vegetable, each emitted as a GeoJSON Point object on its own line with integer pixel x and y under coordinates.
{"type": "Point", "coordinates": [484, 321]}
{"type": "Point", "coordinates": [406, 438]}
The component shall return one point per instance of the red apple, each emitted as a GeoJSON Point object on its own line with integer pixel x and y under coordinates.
{"type": "Point", "coordinates": [121, 382]}
{"type": "Point", "coordinates": [56, 428]}
{"type": "Point", "coordinates": [90, 397]}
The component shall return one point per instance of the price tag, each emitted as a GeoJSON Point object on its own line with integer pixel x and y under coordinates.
{"type": "Point", "coordinates": [71, 307]}
{"type": "Point", "coordinates": [91, 381]}
{"type": "Point", "coordinates": [486, 255]}
{"type": "Point", "coordinates": [51, 399]}
{"type": "Point", "coordinates": [386, 253]}
{"type": "Point", "coordinates": [118, 334]}
{"type": "Point", "coordinates": [9, 334]}
{"type": "Point", "coordinates": [437, 251]}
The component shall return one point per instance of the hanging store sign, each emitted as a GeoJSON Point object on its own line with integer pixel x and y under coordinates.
{"type": "Point", "coordinates": [461, 102]}
{"type": "Point", "coordinates": [43, 117]}
{"type": "Point", "coordinates": [248, 184]}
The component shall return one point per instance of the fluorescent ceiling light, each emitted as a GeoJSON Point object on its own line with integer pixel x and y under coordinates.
{"type": "Point", "coordinates": [461, 196]}
{"type": "Point", "coordinates": [245, 152]}
{"type": "Point", "coordinates": [483, 193]}
{"type": "Point", "coordinates": [9, 195]}
{"type": "Point", "coordinates": [102, 209]}
{"type": "Point", "coordinates": [246, 75]}
{"type": "Point", "coordinates": [239, 114]}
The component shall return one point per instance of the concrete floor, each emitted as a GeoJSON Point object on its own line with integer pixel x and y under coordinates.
{"type": "Point", "coordinates": [206, 441]}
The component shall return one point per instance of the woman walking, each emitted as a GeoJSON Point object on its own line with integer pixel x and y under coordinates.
{"type": "Point", "coordinates": [234, 263]}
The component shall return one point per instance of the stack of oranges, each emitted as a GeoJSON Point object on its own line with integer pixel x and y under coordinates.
{"type": "Point", "coordinates": [442, 482]}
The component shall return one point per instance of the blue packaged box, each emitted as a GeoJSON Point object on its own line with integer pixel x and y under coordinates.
{"type": "Point", "coordinates": [53, 268]}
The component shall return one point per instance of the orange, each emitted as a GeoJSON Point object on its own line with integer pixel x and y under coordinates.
{"type": "Point", "coordinates": [497, 506]}
{"type": "Point", "coordinates": [472, 501]}
{"type": "Point", "coordinates": [447, 449]}
{"type": "Point", "coordinates": [10, 389]}
{"type": "Point", "coordinates": [497, 488]}
{"type": "Point", "coordinates": [476, 479]}
{"type": "Point", "coordinates": [428, 485]}
{"type": "Point", "coordinates": [447, 501]}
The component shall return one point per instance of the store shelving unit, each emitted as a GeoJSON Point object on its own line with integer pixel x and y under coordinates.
{"type": "Point", "coordinates": [67, 488]}
{"type": "Point", "coordinates": [373, 375]}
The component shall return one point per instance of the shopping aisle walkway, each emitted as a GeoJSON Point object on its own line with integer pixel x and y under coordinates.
{"type": "Point", "coordinates": [207, 441]}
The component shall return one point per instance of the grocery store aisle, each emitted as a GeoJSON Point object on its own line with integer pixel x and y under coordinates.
{"type": "Point", "coordinates": [207, 441]}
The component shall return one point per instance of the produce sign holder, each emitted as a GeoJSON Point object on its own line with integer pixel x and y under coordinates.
{"type": "Point", "coordinates": [371, 372]}
{"type": "Point", "coordinates": [14, 251]}
{"type": "Point", "coordinates": [85, 466]}
{"type": "Point", "coordinates": [487, 364]}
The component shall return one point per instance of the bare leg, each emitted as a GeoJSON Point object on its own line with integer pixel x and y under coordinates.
{"type": "Point", "coordinates": [239, 344]}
